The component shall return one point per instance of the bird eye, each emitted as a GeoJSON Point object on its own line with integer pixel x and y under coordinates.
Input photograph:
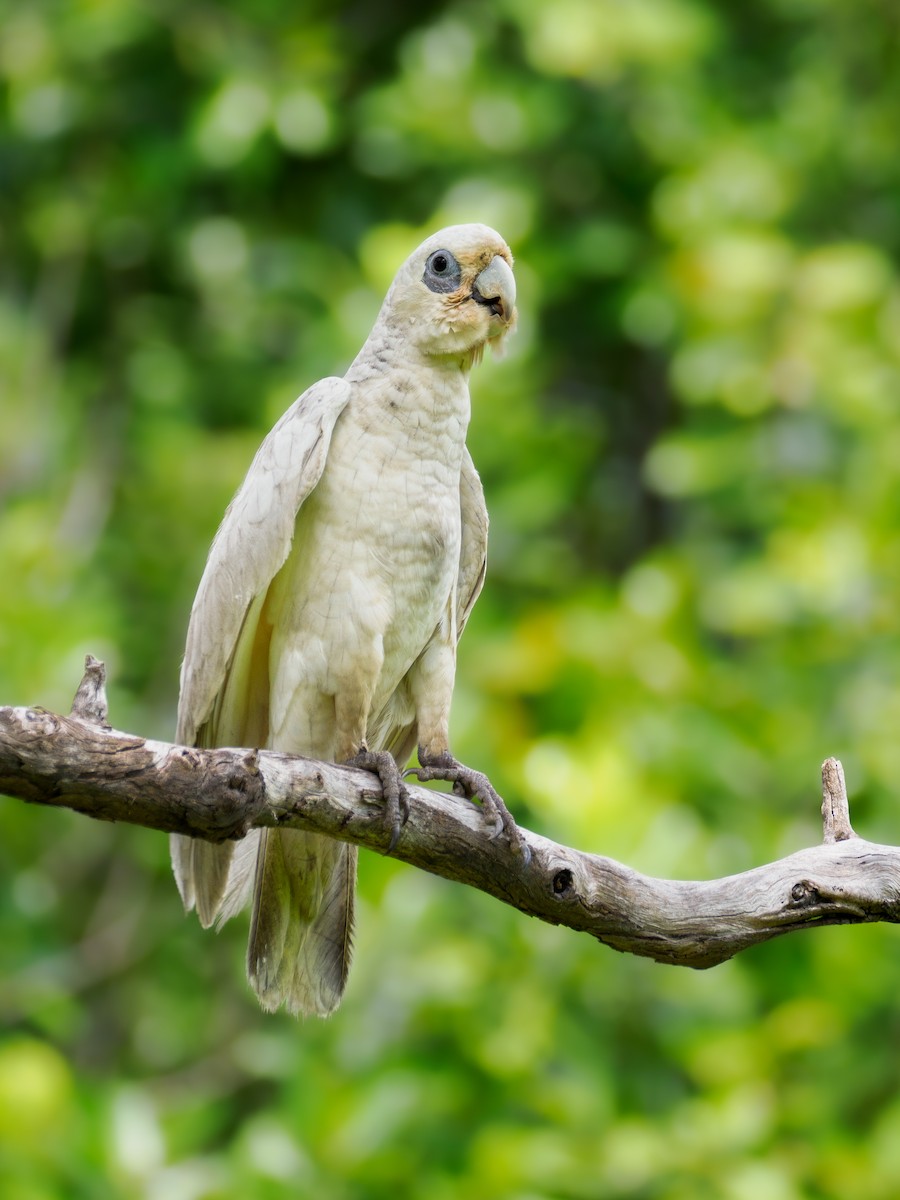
{"type": "Point", "coordinates": [442, 272]}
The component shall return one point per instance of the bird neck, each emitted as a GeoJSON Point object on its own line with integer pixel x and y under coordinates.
{"type": "Point", "coordinates": [390, 346]}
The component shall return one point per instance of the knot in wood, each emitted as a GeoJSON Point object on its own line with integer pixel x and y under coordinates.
{"type": "Point", "coordinates": [42, 722]}
{"type": "Point", "coordinates": [804, 892]}
{"type": "Point", "coordinates": [562, 882]}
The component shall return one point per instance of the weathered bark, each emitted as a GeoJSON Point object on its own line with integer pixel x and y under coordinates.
{"type": "Point", "coordinates": [79, 762]}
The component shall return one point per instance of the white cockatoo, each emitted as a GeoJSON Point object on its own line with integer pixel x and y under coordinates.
{"type": "Point", "coordinates": [336, 589]}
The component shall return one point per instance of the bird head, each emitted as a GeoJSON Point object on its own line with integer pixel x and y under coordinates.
{"type": "Point", "coordinates": [455, 294]}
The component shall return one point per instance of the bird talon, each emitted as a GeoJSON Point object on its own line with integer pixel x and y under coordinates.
{"type": "Point", "coordinates": [492, 815]}
{"type": "Point", "coordinates": [476, 787]}
{"type": "Point", "coordinates": [395, 817]}
{"type": "Point", "coordinates": [396, 797]}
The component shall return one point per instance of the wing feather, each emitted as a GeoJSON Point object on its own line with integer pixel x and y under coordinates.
{"type": "Point", "coordinates": [473, 551]}
{"type": "Point", "coordinates": [252, 545]}
{"type": "Point", "coordinates": [224, 676]}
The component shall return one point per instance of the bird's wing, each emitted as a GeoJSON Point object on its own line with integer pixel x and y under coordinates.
{"type": "Point", "coordinates": [473, 551]}
{"type": "Point", "coordinates": [400, 738]}
{"type": "Point", "coordinates": [252, 545]}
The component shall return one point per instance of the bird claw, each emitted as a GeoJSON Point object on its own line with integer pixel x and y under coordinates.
{"type": "Point", "coordinates": [396, 797]}
{"type": "Point", "coordinates": [475, 785]}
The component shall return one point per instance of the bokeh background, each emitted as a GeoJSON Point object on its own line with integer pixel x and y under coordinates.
{"type": "Point", "coordinates": [691, 457]}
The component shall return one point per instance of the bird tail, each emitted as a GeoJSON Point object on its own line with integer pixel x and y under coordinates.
{"type": "Point", "coordinates": [202, 871]}
{"type": "Point", "coordinates": [303, 889]}
{"type": "Point", "coordinates": [303, 892]}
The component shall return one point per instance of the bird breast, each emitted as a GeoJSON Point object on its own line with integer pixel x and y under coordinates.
{"type": "Point", "coordinates": [392, 484]}
{"type": "Point", "coordinates": [372, 571]}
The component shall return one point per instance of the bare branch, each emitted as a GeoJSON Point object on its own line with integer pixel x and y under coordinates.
{"type": "Point", "coordinates": [835, 805]}
{"type": "Point", "coordinates": [80, 763]}
{"type": "Point", "coordinates": [90, 699]}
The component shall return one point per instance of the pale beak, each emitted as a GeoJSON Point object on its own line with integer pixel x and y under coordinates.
{"type": "Point", "coordinates": [496, 287]}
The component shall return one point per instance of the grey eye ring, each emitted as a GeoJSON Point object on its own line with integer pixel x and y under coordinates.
{"type": "Point", "coordinates": [442, 272]}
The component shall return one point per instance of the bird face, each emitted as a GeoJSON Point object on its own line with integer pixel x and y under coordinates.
{"type": "Point", "coordinates": [456, 292]}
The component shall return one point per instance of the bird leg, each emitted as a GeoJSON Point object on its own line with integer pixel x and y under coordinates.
{"type": "Point", "coordinates": [474, 785]}
{"type": "Point", "coordinates": [396, 798]}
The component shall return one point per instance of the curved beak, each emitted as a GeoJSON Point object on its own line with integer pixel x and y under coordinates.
{"type": "Point", "coordinates": [496, 287]}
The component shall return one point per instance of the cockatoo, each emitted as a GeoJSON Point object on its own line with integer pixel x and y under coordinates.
{"type": "Point", "coordinates": [337, 586]}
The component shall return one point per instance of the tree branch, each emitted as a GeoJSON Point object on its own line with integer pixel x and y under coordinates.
{"type": "Point", "coordinates": [79, 762]}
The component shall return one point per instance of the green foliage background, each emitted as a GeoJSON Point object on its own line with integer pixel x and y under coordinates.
{"type": "Point", "coordinates": [691, 458]}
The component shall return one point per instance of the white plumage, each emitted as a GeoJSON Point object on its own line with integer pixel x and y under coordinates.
{"type": "Point", "coordinates": [336, 588]}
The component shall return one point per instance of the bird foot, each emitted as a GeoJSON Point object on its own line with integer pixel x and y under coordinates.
{"type": "Point", "coordinates": [474, 785]}
{"type": "Point", "coordinates": [396, 797]}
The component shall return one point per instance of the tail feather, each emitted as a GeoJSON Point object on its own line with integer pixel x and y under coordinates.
{"type": "Point", "coordinates": [201, 872]}
{"type": "Point", "coordinates": [302, 920]}
{"type": "Point", "coordinates": [328, 946]}
{"type": "Point", "coordinates": [241, 876]}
